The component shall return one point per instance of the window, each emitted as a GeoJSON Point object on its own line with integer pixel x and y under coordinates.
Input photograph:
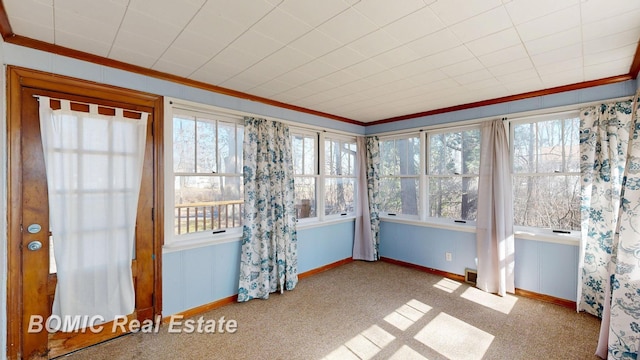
{"type": "Point", "coordinates": [207, 172]}
{"type": "Point", "coordinates": [339, 176]}
{"type": "Point", "coordinates": [304, 148]}
{"type": "Point", "coordinates": [399, 175]}
{"type": "Point", "coordinates": [452, 174]}
{"type": "Point", "coordinates": [546, 173]}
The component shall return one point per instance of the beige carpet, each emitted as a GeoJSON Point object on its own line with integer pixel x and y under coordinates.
{"type": "Point", "coordinates": [374, 311]}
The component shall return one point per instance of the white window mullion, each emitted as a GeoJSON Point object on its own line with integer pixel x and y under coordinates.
{"type": "Point", "coordinates": [321, 176]}
{"type": "Point", "coordinates": [423, 206]}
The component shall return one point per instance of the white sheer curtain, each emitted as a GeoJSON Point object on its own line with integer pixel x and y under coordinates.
{"type": "Point", "coordinates": [366, 241]}
{"type": "Point", "coordinates": [495, 237]}
{"type": "Point", "coordinates": [94, 168]}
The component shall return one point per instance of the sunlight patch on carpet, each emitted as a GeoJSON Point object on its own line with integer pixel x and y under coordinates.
{"type": "Point", "coordinates": [407, 353]}
{"type": "Point", "coordinates": [407, 314]}
{"type": "Point", "coordinates": [504, 304]}
{"type": "Point", "coordinates": [455, 338]}
{"type": "Point", "coordinates": [447, 285]}
{"type": "Point", "coordinates": [341, 353]}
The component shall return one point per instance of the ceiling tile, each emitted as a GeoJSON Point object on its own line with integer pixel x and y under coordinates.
{"type": "Point", "coordinates": [105, 12]}
{"type": "Point", "coordinates": [610, 55]}
{"type": "Point", "coordinates": [455, 11]}
{"type": "Point", "coordinates": [483, 84]}
{"type": "Point", "coordinates": [594, 10]}
{"type": "Point", "coordinates": [524, 86]}
{"type": "Point", "coordinates": [342, 58]}
{"type": "Point", "coordinates": [374, 43]}
{"type": "Point", "coordinates": [395, 57]}
{"type": "Point", "coordinates": [33, 30]}
{"type": "Point", "coordinates": [339, 78]}
{"type": "Point", "coordinates": [178, 69]}
{"type": "Point", "coordinates": [561, 66]}
{"type": "Point", "coordinates": [427, 77]}
{"type": "Point", "coordinates": [198, 44]}
{"type": "Point", "coordinates": [313, 12]}
{"type": "Point", "coordinates": [296, 77]}
{"type": "Point", "coordinates": [30, 11]}
{"type": "Point", "coordinates": [238, 84]}
{"type": "Point", "coordinates": [148, 27]}
{"type": "Point", "coordinates": [415, 67]}
{"type": "Point", "coordinates": [136, 43]}
{"type": "Point", "coordinates": [511, 67]}
{"type": "Point", "coordinates": [347, 26]}
{"type": "Point", "coordinates": [214, 27]}
{"type": "Point", "coordinates": [89, 45]}
{"type": "Point", "coordinates": [476, 76]}
{"type": "Point", "coordinates": [71, 23]}
{"type": "Point", "coordinates": [505, 55]}
{"type": "Point", "coordinates": [517, 77]}
{"type": "Point", "coordinates": [259, 45]}
{"type": "Point", "coordinates": [177, 13]}
{"type": "Point", "coordinates": [281, 26]}
{"type": "Point", "coordinates": [315, 44]}
{"type": "Point", "coordinates": [382, 14]}
{"type": "Point", "coordinates": [614, 41]}
{"type": "Point", "coordinates": [246, 13]}
{"type": "Point", "coordinates": [449, 57]}
{"type": "Point", "coordinates": [492, 43]}
{"type": "Point", "coordinates": [435, 43]}
{"type": "Point", "coordinates": [234, 58]}
{"type": "Point", "coordinates": [612, 68]}
{"type": "Point", "coordinates": [557, 55]}
{"type": "Point", "coordinates": [185, 58]}
{"type": "Point", "coordinates": [130, 56]}
{"type": "Point", "coordinates": [609, 26]}
{"type": "Point", "coordinates": [462, 67]}
{"type": "Point", "coordinates": [481, 25]}
{"type": "Point", "coordinates": [554, 41]}
{"type": "Point", "coordinates": [522, 11]}
{"type": "Point", "coordinates": [317, 69]}
{"type": "Point", "coordinates": [366, 68]}
{"type": "Point", "coordinates": [549, 24]}
{"type": "Point", "coordinates": [569, 76]}
{"type": "Point", "coordinates": [416, 25]}
{"type": "Point", "coordinates": [271, 88]}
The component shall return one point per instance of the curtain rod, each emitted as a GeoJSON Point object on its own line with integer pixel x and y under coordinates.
{"type": "Point", "coordinates": [89, 104]}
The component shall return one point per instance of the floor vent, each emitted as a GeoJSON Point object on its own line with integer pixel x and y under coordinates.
{"type": "Point", "coordinates": [470, 276]}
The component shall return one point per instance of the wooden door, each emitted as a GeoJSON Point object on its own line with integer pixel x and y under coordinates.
{"type": "Point", "coordinates": [36, 282]}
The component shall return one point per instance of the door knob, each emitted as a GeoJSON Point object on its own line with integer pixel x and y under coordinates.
{"type": "Point", "coordinates": [34, 245]}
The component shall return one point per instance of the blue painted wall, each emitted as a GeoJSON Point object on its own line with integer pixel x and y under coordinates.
{"type": "Point", "coordinates": [542, 267]}
{"type": "Point", "coordinates": [195, 277]}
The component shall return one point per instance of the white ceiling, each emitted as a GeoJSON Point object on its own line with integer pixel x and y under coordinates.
{"type": "Point", "coordinates": [364, 60]}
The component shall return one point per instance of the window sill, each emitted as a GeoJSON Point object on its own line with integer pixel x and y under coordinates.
{"type": "Point", "coordinates": [303, 225]}
{"type": "Point", "coordinates": [432, 224]}
{"type": "Point", "coordinates": [566, 239]}
{"type": "Point", "coordinates": [201, 240]}
{"type": "Point", "coordinates": [205, 239]}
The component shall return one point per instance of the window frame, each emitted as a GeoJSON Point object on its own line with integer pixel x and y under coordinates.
{"type": "Point", "coordinates": [384, 213]}
{"type": "Point", "coordinates": [534, 231]}
{"type": "Point", "coordinates": [428, 176]}
{"type": "Point", "coordinates": [174, 241]}
{"type": "Point", "coordinates": [293, 131]}
{"type": "Point", "coordinates": [328, 136]}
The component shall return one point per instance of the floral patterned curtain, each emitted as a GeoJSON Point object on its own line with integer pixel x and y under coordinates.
{"type": "Point", "coordinates": [367, 235]}
{"type": "Point", "coordinates": [610, 244]}
{"type": "Point", "coordinates": [269, 259]}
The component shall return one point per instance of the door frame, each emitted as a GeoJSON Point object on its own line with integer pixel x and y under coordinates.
{"type": "Point", "coordinates": [17, 79]}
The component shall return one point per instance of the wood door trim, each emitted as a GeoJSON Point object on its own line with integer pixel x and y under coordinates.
{"type": "Point", "coordinates": [18, 78]}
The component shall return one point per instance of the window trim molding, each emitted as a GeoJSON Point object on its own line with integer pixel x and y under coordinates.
{"type": "Point", "coordinates": [173, 242]}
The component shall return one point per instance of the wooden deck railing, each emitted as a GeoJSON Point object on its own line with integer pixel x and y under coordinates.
{"type": "Point", "coordinates": [212, 215]}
